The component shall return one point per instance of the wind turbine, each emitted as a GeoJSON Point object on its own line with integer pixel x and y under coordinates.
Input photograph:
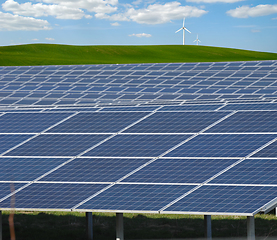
{"type": "Point", "coordinates": [184, 29]}
{"type": "Point", "coordinates": [197, 40]}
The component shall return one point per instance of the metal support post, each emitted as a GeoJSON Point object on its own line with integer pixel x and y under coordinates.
{"type": "Point", "coordinates": [89, 220]}
{"type": "Point", "coordinates": [250, 228]}
{"type": "Point", "coordinates": [208, 226]}
{"type": "Point", "coordinates": [119, 226]}
{"type": "Point", "coordinates": [0, 225]}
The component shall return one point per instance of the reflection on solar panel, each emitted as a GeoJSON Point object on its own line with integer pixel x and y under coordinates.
{"type": "Point", "coordinates": [167, 138]}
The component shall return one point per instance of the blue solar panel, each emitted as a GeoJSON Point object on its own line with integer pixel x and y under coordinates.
{"type": "Point", "coordinates": [29, 122]}
{"type": "Point", "coordinates": [250, 171]}
{"type": "Point", "coordinates": [26, 169]}
{"type": "Point", "coordinates": [95, 170]}
{"type": "Point", "coordinates": [9, 141]}
{"type": "Point", "coordinates": [100, 122]}
{"type": "Point", "coordinates": [261, 106]}
{"type": "Point", "coordinates": [137, 145]}
{"type": "Point", "coordinates": [176, 122]}
{"type": "Point", "coordinates": [191, 107]}
{"type": "Point", "coordinates": [225, 199]}
{"type": "Point", "coordinates": [52, 196]}
{"type": "Point", "coordinates": [221, 145]}
{"type": "Point", "coordinates": [256, 121]}
{"type": "Point", "coordinates": [135, 197]}
{"type": "Point", "coordinates": [57, 145]}
{"type": "Point", "coordinates": [268, 152]}
{"type": "Point", "coordinates": [179, 170]}
{"type": "Point", "coordinates": [6, 189]}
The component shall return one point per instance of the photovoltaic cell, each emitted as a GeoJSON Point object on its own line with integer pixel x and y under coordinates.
{"type": "Point", "coordinates": [179, 170]}
{"type": "Point", "coordinates": [191, 107]}
{"type": "Point", "coordinates": [100, 122]}
{"type": "Point", "coordinates": [268, 152]}
{"type": "Point", "coordinates": [250, 171]}
{"type": "Point", "coordinates": [137, 145]}
{"type": "Point", "coordinates": [136, 197]}
{"type": "Point", "coordinates": [26, 169]}
{"type": "Point", "coordinates": [260, 106]}
{"type": "Point", "coordinates": [57, 145]}
{"type": "Point", "coordinates": [52, 196]}
{"type": "Point", "coordinates": [176, 122]}
{"type": "Point", "coordinates": [225, 199]}
{"type": "Point", "coordinates": [256, 121]}
{"type": "Point", "coordinates": [221, 145]}
{"type": "Point", "coordinates": [29, 122]}
{"type": "Point", "coordinates": [6, 189]}
{"type": "Point", "coordinates": [9, 141]}
{"type": "Point", "coordinates": [95, 170]}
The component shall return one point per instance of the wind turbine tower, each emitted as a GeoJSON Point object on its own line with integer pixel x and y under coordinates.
{"type": "Point", "coordinates": [197, 40]}
{"type": "Point", "coordinates": [184, 30]}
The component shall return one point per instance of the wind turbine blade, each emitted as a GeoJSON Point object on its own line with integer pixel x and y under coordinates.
{"type": "Point", "coordinates": [187, 30]}
{"type": "Point", "coordinates": [179, 30]}
{"type": "Point", "coordinates": [184, 22]}
{"type": "Point", "coordinates": [199, 40]}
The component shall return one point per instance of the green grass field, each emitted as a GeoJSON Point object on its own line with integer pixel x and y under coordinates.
{"type": "Point", "coordinates": [71, 226]}
{"type": "Point", "coordinates": [52, 54]}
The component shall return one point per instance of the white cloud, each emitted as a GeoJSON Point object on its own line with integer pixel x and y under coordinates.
{"type": "Point", "coordinates": [50, 39]}
{"type": "Point", "coordinates": [214, 1]}
{"type": "Point", "coordinates": [35, 39]}
{"type": "Point", "coordinates": [115, 24]}
{"type": "Point", "coordinates": [39, 9]}
{"type": "Point", "coordinates": [10, 22]}
{"type": "Point", "coordinates": [156, 13]}
{"type": "Point", "coordinates": [274, 18]}
{"type": "Point", "coordinates": [255, 30]}
{"type": "Point", "coordinates": [140, 35]}
{"type": "Point", "coordinates": [246, 11]}
{"type": "Point", "coordinates": [97, 6]}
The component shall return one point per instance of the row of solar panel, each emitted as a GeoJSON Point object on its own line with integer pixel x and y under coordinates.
{"type": "Point", "coordinates": [168, 86]}
{"type": "Point", "coordinates": [134, 145]}
{"type": "Point", "coordinates": [143, 122]}
{"type": "Point", "coordinates": [253, 106]}
{"type": "Point", "coordinates": [155, 79]}
{"type": "Point", "coordinates": [163, 170]}
{"type": "Point", "coordinates": [140, 197]}
{"type": "Point", "coordinates": [129, 75]}
{"type": "Point", "coordinates": [145, 99]}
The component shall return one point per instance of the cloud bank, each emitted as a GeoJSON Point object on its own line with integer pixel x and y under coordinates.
{"type": "Point", "coordinates": [246, 11]}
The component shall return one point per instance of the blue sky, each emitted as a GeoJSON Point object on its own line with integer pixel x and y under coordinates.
{"type": "Point", "coordinates": [242, 24]}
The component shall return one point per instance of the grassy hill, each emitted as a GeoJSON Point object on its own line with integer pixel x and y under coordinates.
{"type": "Point", "coordinates": [53, 54]}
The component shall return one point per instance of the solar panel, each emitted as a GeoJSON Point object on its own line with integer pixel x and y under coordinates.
{"type": "Point", "coordinates": [253, 121]}
{"type": "Point", "coordinates": [100, 122]}
{"type": "Point", "coordinates": [176, 122]}
{"type": "Point", "coordinates": [135, 197]}
{"type": "Point", "coordinates": [29, 122]}
{"type": "Point", "coordinates": [222, 145]}
{"type": "Point", "coordinates": [150, 78]}
{"type": "Point", "coordinates": [95, 170]}
{"type": "Point", "coordinates": [26, 169]}
{"type": "Point", "coordinates": [57, 145]}
{"type": "Point", "coordinates": [137, 145]}
{"type": "Point", "coordinates": [170, 138]}
{"type": "Point", "coordinates": [224, 200]}
{"type": "Point", "coordinates": [52, 196]}
{"type": "Point", "coordinates": [250, 171]}
{"type": "Point", "coordinates": [180, 170]}
{"type": "Point", "coordinates": [8, 141]}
